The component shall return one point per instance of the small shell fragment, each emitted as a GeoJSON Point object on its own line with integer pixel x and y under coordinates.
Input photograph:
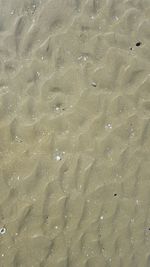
{"type": "Point", "coordinates": [2, 230]}
{"type": "Point", "coordinates": [93, 84]}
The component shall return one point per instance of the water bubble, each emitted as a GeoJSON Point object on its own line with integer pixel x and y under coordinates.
{"type": "Point", "coordinates": [38, 74]}
{"type": "Point", "coordinates": [12, 12]}
{"type": "Point", "coordinates": [108, 126]}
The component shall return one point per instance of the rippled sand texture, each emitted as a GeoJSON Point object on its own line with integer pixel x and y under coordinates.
{"type": "Point", "coordinates": [74, 133]}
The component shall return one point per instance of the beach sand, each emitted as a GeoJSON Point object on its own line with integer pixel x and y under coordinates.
{"type": "Point", "coordinates": [74, 133]}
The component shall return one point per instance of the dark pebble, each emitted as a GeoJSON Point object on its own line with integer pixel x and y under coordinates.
{"type": "Point", "coordinates": [138, 43]}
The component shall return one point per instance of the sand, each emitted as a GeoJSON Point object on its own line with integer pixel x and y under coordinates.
{"type": "Point", "coordinates": [74, 133]}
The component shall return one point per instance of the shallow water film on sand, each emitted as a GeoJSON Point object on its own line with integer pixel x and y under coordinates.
{"type": "Point", "coordinates": [74, 133]}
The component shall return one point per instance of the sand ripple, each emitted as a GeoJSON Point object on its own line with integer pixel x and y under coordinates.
{"type": "Point", "coordinates": [74, 133]}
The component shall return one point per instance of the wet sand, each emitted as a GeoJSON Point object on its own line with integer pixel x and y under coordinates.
{"type": "Point", "coordinates": [74, 133]}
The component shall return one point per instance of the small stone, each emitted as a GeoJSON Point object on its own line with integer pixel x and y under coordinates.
{"type": "Point", "coordinates": [138, 43]}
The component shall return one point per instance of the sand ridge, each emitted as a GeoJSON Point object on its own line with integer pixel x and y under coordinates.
{"type": "Point", "coordinates": [74, 133]}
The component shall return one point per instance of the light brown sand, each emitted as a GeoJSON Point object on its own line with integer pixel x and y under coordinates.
{"type": "Point", "coordinates": [74, 133]}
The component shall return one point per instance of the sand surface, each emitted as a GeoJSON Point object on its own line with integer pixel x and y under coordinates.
{"type": "Point", "coordinates": [74, 133]}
